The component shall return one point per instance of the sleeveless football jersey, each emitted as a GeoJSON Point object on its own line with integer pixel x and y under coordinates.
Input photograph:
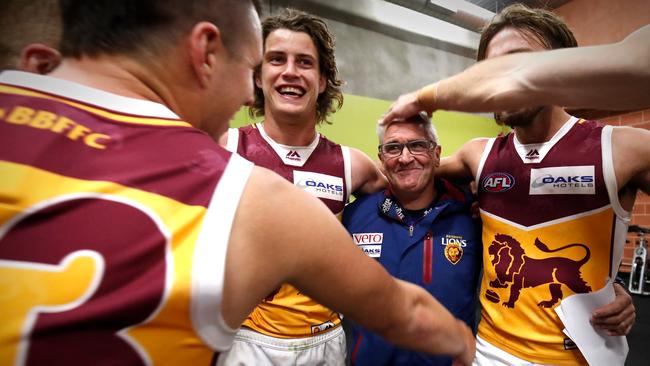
{"type": "Point", "coordinates": [323, 169]}
{"type": "Point", "coordinates": [552, 227]}
{"type": "Point", "coordinates": [104, 257]}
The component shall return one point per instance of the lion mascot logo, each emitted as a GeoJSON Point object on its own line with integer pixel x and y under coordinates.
{"type": "Point", "coordinates": [515, 269]}
{"type": "Point", "coordinates": [453, 253]}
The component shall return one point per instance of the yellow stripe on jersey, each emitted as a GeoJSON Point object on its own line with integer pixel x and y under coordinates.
{"type": "Point", "coordinates": [23, 187]}
{"type": "Point", "coordinates": [25, 288]}
{"type": "Point", "coordinates": [527, 271]}
{"type": "Point", "coordinates": [291, 314]}
{"type": "Point", "coordinates": [97, 111]}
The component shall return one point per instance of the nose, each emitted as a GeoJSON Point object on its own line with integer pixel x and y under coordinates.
{"type": "Point", "coordinates": [406, 156]}
{"type": "Point", "coordinates": [290, 69]}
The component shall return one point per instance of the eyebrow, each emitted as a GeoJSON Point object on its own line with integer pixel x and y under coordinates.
{"type": "Point", "coordinates": [279, 52]}
{"type": "Point", "coordinates": [405, 142]}
{"type": "Point", "coordinates": [512, 51]}
{"type": "Point", "coordinates": [519, 50]}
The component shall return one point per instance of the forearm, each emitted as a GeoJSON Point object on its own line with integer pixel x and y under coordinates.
{"type": "Point", "coordinates": [615, 76]}
{"type": "Point", "coordinates": [424, 324]}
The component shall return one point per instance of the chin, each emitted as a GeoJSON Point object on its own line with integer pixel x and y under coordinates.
{"type": "Point", "coordinates": [292, 112]}
{"type": "Point", "coordinates": [291, 109]}
{"type": "Point", "coordinates": [407, 186]}
{"type": "Point", "coordinates": [520, 118]}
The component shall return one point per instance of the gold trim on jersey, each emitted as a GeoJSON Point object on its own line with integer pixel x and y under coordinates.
{"type": "Point", "coordinates": [166, 328]}
{"type": "Point", "coordinates": [288, 313]}
{"type": "Point", "coordinates": [97, 111]}
{"type": "Point", "coordinates": [528, 271]}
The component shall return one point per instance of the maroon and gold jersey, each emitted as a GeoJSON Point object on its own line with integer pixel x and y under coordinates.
{"type": "Point", "coordinates": [552, 227]}
{"type": "Point", "coordinates": [321, 168]}
{"type": "Point", "coordinates": [104, 257]}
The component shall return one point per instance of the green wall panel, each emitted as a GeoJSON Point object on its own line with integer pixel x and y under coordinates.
{"type": "Point", "coordinates": [354, 125]}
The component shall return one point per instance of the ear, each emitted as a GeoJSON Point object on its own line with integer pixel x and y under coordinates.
{"type": "Point", "coordinates": [39, 58]}
{"type": "Point", "coordinates": [436, 155]}
{"type": "Point", "coordinates": [206, 51]}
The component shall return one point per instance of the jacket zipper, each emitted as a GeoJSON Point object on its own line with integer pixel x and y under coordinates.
{"type": "Point", "coordinates": [427, 261]}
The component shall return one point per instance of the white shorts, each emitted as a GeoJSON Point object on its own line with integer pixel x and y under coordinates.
{"type": "Point", "coordinates": [251, 348]}
{"type": "Point", "coordinates": [489, 355]}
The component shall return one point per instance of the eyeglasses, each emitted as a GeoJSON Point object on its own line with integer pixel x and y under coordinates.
{"type": "Point", "coordinates": [415, 147]}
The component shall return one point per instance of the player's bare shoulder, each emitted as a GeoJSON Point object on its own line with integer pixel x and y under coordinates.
{"type": "Point", "coordinates": [475, 145]}
{"type": "Point", "coordinates": [461, 166]}
{"type": "Point", "coordinates": [472, 151]}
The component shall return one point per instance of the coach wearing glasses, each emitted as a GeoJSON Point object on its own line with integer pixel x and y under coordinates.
{"type": "Point", "coordinates": [421, 230]}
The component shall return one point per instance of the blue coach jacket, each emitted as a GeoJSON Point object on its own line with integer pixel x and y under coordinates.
{"type": "Point", "coordinates": [439, 250]}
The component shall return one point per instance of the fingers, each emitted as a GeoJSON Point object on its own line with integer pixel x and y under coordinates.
{"type": "Point", "coordinates": [621, 301]}
{"type": "Point", "coordinates": [617, 324]}
{"type": "Point", "coordinates": [617, 317]}
{"type": "Point", "coordinates": [390, 116]}
{"type": "Point", "coordinates": [404, 107]}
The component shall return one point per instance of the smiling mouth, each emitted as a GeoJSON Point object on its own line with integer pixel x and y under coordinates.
{"type": "Point", "coordinates": [291, 91]}
{"type": "Point", "coordinates": [409, 169]}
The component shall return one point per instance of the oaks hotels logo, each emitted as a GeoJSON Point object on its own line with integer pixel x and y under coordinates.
{"type": "Point", "coordinates": [320, 185]}
{"type": "Point", "coordinates": [563, 180]}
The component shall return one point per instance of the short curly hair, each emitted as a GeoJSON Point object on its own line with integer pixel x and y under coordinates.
{"type": "Point", "coordinates": [331, 99]}
{"type": "Point", "coordinates": [546, 27]}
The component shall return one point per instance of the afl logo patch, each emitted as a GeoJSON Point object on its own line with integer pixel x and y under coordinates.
{"type": "Point", "coordinates": [498, 182]}
{"type": "Point", "coordinates": [453, 253]}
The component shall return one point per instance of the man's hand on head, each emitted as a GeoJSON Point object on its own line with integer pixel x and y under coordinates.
{"type": "Point", "coordinates": [405, 106]}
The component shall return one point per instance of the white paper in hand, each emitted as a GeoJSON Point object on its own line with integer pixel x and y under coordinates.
{"type": "Point", "coordinates": [597, 347]}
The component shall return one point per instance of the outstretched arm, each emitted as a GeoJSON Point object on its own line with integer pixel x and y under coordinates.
{"type": "Point", "coordinates": [613, 76]}
{"type": "Point", "coordinates": [283, 234]}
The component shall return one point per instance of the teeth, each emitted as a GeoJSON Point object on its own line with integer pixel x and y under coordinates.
{"type": "Point", "coordinates": [291, 90]}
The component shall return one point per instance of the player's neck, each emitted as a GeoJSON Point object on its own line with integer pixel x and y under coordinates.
{"type": "Point", "coordinates": [289, 132]}
{"type": "Point", "coordinates": [117, 76]}
{"type": "Point", "coordinates": [544, 126]}
{"type": "Point", "coordinates": [129, 78]}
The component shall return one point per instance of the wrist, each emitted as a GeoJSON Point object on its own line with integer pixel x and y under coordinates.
{"type": "Point", "coordinates": [461, 330]}
{"type": "Point", "coordinates": [427, 97]}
